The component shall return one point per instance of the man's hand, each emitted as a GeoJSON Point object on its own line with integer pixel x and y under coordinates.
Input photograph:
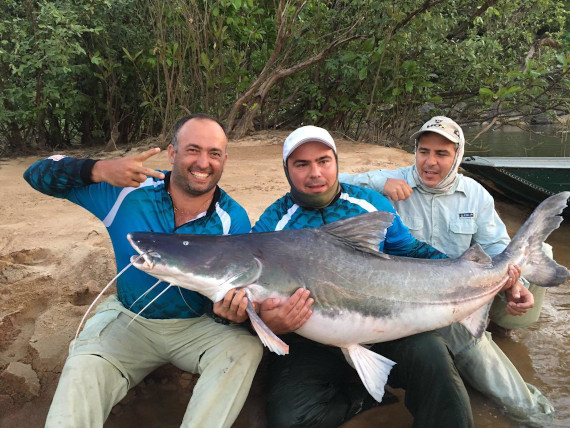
{"type": "Point", "coordinates": [232, 307]}
{"type": "Point", "coordinates": [125, 172]}
{"type": "Point", "coordinates": [519, 299]}
{"type": "Point", "coordinates": [397, 190]}
{"type": "Point", "coordinates": [288, 316]}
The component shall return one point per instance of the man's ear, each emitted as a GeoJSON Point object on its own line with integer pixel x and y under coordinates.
{"type": "Point", "coordinates": [171, 153]}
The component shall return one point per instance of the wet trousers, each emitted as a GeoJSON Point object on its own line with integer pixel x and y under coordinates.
{"type": "Point", "coordinates": [484, 367]}
{"type": "Point", "coordinates": [310, 387]}
{"type": "Point", "coordinates": [109, 358]}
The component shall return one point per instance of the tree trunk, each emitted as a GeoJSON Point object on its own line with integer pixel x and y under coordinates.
{"type": "Point", "coordinates": [244, 110]}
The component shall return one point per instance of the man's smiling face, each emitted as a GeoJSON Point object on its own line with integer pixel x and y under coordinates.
{"type": "Point", "coordinates": [200, 156]}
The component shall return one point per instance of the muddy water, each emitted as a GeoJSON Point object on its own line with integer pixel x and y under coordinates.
{"type": "Point", "coordinates": [540, 352]}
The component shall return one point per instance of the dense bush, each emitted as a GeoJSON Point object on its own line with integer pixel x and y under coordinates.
{"type": "Point", "coordinates": [107, 72]}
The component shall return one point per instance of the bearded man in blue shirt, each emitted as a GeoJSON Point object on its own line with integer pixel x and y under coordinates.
{"type": "Point", "coordinates": [116, 350]}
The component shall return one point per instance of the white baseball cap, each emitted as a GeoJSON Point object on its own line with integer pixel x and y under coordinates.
{"type": "Point", "coordinates": [444, 126]}
{"type": "Point", "coordinates": [304, 135]}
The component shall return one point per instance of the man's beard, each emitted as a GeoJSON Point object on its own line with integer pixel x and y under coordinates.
{"type": "Point", "coordinates": [182, 182]}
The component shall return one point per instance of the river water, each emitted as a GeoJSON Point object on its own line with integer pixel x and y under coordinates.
{"type": "Point", "coordinates": [540, 140]}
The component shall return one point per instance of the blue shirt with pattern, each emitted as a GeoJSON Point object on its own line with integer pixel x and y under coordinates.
{"type": "Point", "coordinates": [146, 208]}
{"type": "Point", "coordinates": [353, 200]}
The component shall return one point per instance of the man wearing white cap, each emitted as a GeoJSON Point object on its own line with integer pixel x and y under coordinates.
{"type": "Point", "coordinates": [311, 386]}
{"type": "Point", "coordinates": [451, 212]}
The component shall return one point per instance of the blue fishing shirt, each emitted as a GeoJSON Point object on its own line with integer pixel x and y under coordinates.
{"type": "Point", "coordinates": [147, 208]}
{"type": "Point", "coordinates": [353, 200]}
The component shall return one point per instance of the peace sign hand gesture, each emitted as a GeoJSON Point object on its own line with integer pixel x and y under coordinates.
{"type": "Point", "coordinates": [125, 172]}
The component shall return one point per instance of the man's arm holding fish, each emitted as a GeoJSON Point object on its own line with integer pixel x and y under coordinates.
{"type": "Point", "coordinates": [60, 176]}
{"type": "Point", "coordinates": [282, 318]}
{"type": "Point", "coordinates": [233, 306]}
{"type": "Point", "coordinates": [492, 235]}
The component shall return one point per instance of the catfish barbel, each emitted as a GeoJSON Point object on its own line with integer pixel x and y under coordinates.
{"type": "Point", "coordinates": [361, 296]}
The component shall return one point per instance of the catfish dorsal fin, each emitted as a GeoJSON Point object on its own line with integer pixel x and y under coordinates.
{"type": "Point", "coordinates": [476, 254]}
{"type": "Point", "coordinates": [363, 232]}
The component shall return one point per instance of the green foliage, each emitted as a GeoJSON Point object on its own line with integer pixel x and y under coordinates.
{"type": "Point", "coordinates": [100, 71]}
{"type": "Point", "coordinates": [455, 58]}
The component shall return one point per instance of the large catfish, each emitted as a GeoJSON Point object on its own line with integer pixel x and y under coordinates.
{"type": "Point", "coordinates": [361, 295]}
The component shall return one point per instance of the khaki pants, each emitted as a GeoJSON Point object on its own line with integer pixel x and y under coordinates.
{"type": "Point", "coordinates": [109, 358]}
{"type": "Point", "coordinates": [484, 367]}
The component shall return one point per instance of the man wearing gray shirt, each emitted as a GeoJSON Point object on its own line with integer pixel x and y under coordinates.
{"type": "Point", "coordinates": [451, 212]}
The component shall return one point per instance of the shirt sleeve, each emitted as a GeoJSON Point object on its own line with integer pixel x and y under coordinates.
{"type": "Point", "coordinates": [374, 180]}
{"type": "Point", "coordinates": [270, 217]}
{"type": "Point", "coordinates": [58, 175]}
{"type": "Point", "coordinates": [399, 241]}
{"type": "Point", "coordinates": [70, 178]}
{"type": "Point", "coordinates": [265, 223]}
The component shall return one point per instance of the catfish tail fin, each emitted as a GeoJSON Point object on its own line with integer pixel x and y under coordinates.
{"type": "Point", "coordinates": [536, 266]}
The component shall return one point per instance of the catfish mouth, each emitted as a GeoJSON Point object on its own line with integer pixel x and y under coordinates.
{"type": "Point", "coordinates": [144, 261]}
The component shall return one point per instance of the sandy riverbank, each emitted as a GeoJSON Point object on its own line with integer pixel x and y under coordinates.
{"type": "Point", "coordinates": [55, 257]}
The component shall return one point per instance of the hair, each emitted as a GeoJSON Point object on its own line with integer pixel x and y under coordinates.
{"type": "Point", "coordinates": [185, 119]}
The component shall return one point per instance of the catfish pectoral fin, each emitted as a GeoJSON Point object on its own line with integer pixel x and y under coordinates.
{"type": "Point", "coordinates": [267, 337]}
{"type": "Point", "coordinates": [372, 368]}
{"type": "Point", "coordinates": [476, 323]}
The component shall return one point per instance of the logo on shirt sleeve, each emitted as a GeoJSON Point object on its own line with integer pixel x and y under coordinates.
{"type": "Point", "coordinates": [55, 158]}
{"type": "Point", "coordinates": [466, 215]}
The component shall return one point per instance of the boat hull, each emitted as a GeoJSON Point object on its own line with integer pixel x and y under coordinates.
{"type": "Point", "coordinates": [526, 180]}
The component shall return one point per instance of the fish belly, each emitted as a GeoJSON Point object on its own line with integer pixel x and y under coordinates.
{"type": "Point", "coordinates": [349, 327]}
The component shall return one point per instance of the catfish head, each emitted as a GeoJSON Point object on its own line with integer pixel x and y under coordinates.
{"type": "Point", "coordinates": [209, 265]}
